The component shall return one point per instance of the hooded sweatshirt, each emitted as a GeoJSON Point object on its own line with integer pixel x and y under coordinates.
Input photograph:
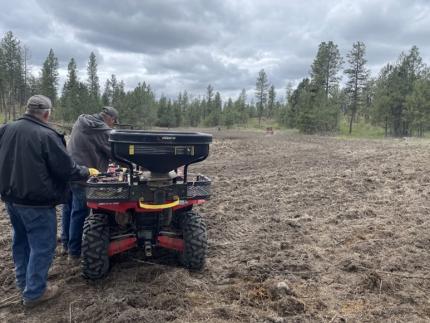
{"type": "Point", "coordinates": [89, 142]}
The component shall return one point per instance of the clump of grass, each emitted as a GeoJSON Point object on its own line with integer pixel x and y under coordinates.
{"type": "Point", "coordinates": [360, 129]}
{"type": "Point", "coordinates": [265, 123]}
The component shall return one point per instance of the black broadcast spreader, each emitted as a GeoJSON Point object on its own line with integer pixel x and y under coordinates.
{"type": "Point", "coordinates": [146, 199]}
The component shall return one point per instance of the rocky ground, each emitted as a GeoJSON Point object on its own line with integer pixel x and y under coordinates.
{"type": "Point", "coordinates": [301, 229]}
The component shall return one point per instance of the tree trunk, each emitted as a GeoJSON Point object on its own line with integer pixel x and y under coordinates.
{"type": "Point", "coordinates": [353, 112]}
{"type": "Point", "coordinates": [6, 109]}
{"type": "Point", "coordinates": [386, 126]}
{"type": "Point", "coordinates": [2, 107]}
{"type": "Point", "coordinates": [350, 122]}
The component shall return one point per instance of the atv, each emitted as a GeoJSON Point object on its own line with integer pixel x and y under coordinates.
{"type": "Point", "coordinates": [145, 200]}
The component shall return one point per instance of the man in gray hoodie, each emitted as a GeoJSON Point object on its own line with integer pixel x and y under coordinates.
{"type": "Point", "coordinates": [88, 146]}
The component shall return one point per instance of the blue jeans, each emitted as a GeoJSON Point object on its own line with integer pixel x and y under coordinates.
{"type": "Point", "coordinates": [73, 218]}
{"type": "Point", "coordinates": [33, 247]}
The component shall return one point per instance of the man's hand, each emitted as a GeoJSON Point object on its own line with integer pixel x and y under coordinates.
{"type": "Point", "coordinates": [93, 171]}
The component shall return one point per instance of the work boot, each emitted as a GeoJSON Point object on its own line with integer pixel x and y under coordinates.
{"type": "Point", "coordinates": [73, 260]}
{"type": "Point", "coordinates": [50, 292]}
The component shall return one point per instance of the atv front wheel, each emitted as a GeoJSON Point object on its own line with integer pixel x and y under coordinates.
{"type": "Point", "coordinates": [95, 243]}
{"type": "Point", "coordinates": [195, 240]}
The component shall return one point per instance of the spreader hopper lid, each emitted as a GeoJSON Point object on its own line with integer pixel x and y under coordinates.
{"type": "Point", "coordinates": [159, 137]}
{"type": "Point", "coordinates": [159, 151]}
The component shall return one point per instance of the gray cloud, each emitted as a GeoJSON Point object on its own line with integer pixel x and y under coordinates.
{"type": "Point", "coordinates": [181, 45]}
{"type": "Point", "coordinates": [143, 27]}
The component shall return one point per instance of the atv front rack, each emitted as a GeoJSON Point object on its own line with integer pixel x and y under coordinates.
{"type": "Point", "coordinates": [108, 192]}
{"type": "Point", "coordinates": [196, 187]}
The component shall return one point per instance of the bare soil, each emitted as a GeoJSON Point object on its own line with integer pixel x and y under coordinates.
{"type": "Point", "coordinates": [300, 229]}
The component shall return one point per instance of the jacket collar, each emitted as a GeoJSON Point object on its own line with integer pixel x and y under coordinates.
{"type": "Point", "coordinates": [30, 118]}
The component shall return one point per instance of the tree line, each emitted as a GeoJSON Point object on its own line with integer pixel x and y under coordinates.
{"type": "Point", "coordinates": [398, 99]}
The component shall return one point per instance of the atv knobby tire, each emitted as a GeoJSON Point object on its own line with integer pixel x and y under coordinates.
{"type": "Point", "coordinates": [95, 243]}
{"type": "Point", "coordinates": [195, 240]}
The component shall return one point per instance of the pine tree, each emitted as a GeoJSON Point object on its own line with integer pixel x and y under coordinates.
{"type": "Point", "coordinates": [107, 94]}
{"type": "Point", "coordinates": [319, 105]}
{"type": "Point", "coordinates": [138, 107]}
{"type": "Point", "coordinates": [214, 117]}
{"type": "Point", "coordinates": [195, 112]}
{"type": "Point", "coordinates": [93, 84]}
{"type": "Point", "coordinates": [2, 83]}
{"type": "Point", "coordinates": [325, 68]}
{"type": "Point", "coordinates": [230, 114]}
{"type": "Point", "coordinates": [114, 93]}
{"type": "Point", "coordinates": [217, 109]}
{"type": "Point", "coordinates": [209, 103]}
{"type": "Point", "coordinates": [271, 106]}
{"type": "Point", "coordinates": [13, 75]}
{"type": "Point", "coordinates": [284, 111]}
{"type": "Point", "coordinates": [177, 112]}
{"type": "Point", "coordinates": [33, 85]}
{"type": "Point", "coordinates": [182, 109]}
{"type": "Point", "coordinates": [418, 105]}
{"type": "Point", "coordinates": [381, 106]}
{"type": "Point", "coordinates": [166, 117]}
{"type": "Point", "coordinates": [114, 88]}
{"type": "Point", "coordinates": [357, 74]}
{"type": "Point", "coordinates": [241, 108]}
{"type": "Point", "coordinates": [412, 70]}
{"type": "Point", "coordinates": [118, 93]}
{"type": "Point", "coordinates": [295, 104]}
{"type": "Point", "coordinates": [185, 102]}
{"type": "Point", "coordinates": [302, 113]}
{"type": "Point", "coordinates": [70, 101]}
{"type": "Point", "coordinates": [49, 77]}
{"type": "Point", "coordinates": [368, 97]}
{"type": "Point", "coordinates": [395, 84]}
{"type": "Point", "coordinates": [261, 88]}
{"type": "Point", "coordinates": [27, 76]}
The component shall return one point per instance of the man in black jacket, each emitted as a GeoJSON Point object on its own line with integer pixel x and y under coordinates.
{"type": "Point", "coordinates": [89, 146]}
{"type": "Point", "coordinates": [34, 171]}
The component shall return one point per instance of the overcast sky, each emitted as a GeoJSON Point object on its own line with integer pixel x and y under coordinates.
{"type": "Point", "coordinates": [181, 45]}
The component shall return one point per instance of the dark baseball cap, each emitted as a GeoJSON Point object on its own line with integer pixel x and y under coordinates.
{"type": "Point", "coordinates": [111, 111]}
{"type": "Point", "coordinates": [39, 102]}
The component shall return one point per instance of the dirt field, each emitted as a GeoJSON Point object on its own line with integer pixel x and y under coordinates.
{"type": "Point", "coordinates": [300, 229]}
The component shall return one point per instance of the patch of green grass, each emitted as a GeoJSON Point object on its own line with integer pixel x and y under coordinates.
{"type": "Point", "coordinates": [426, 134]}
{"type": "Point", "coordinates": [265, 123]}
{"type": "Point", "coordinates": [360, 129]}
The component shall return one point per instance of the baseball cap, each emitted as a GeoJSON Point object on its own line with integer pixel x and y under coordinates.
{"type": "Point", "coordinates": [111, 111]}
{"type": "Point", "coordinates": [39, 102]}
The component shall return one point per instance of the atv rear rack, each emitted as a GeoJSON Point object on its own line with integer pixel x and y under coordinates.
{"type": "Point", "coordinates": [197, 187]}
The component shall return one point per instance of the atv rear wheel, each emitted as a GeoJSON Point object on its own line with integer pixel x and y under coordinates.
{"type": "Point", "coordinates": [195, 240]}
{"type": "Point", "coordinates": [95, 243]}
